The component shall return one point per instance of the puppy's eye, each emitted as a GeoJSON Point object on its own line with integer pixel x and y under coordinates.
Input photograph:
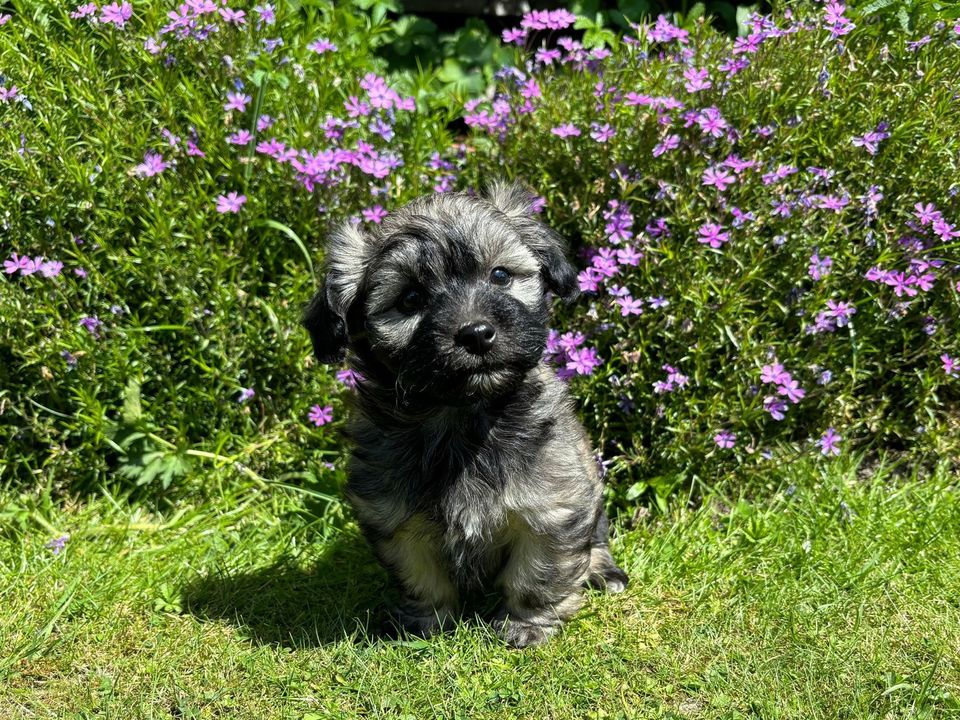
{"type": "Point", "coordinates": [411, 300]}
{"type": "Point", "coordinates": [500, 276]}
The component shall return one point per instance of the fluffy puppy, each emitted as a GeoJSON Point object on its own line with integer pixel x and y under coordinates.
{"type": "Point", "coordinates": [470, 471]}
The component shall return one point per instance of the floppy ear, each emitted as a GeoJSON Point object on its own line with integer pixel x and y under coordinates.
{"type": "Point", "coordinates": [325, 316]}
{"type": "Point", "coordinates": [515, 201]}
{"type": "Point", "coordinates": [328, 330]}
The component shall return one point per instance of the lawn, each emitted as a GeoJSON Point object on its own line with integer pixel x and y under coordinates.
{"type": "Point", "coordinates": [835, 595]}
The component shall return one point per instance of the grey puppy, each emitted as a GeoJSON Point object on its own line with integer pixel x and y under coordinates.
{"type": "Point", "coordinates": [470, 471]}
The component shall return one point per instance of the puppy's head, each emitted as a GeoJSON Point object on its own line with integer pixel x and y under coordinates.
{"type": "Point", "coordinates": [447, 301]}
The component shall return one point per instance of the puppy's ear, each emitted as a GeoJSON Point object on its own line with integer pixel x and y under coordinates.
{"type": "Point", "coordinates": [325, 316]}
{"type": "Point", "coordinates": [328, 330]}
{"type": "Point", "coordinates": [516, 202]}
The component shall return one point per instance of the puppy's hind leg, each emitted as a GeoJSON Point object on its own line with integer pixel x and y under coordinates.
{"type": "Point", "coordinates": [605, 574]}
{"type": "Point", "coordinates": [428, 597]}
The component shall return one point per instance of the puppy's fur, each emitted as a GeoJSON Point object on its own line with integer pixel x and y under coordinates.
{"type": "Point", "coordinates": [470, 471]}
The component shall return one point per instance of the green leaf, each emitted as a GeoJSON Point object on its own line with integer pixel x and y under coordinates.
{"type": "Point", "coordinates": [286, 230]}
{"type": "Point", "coordinates": [132, 411]}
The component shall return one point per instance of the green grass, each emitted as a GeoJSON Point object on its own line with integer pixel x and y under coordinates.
{"type": "Point", "coordinates": [835, 596]}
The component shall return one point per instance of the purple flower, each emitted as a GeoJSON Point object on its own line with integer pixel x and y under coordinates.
{"type": "Point", "coordinates": [236, 101]}
{"type": "Point", "coordinates": [774, 374]}
{"type": "Point", "coordinates": [267, 14]}
{"type": "Point", "coordinates": [241, 137]}
{"type": "Point", "coordinates": [18, 263]}
{"type": "Point", "coordinates": [950, 365]}
{"type": "Point", "coordinates": [628, 255]}
{"type": "Point", "coordinates": [629, 306]}
{"type": "Point", "coordinates": [619, 219]}
{"type": "Point", "coordinates": [675, 379]}
{"type": "Point", "coordinates": [57, 544]}
{"type": "Point", "coordinates": [713, 235]}
{"type": "Point", "coordinates": [670, 142]}
{"type": "Point", "coordinates": [819, 268]}
{"type": "Point", "coordinates": [349, 377]}
{"type": "Point", "coordinates": [719, 178]}
{"type": "Point", "coordinates": [92, 324]}
{"type": "Point", "coordinates": [927, 214]}
{"type": "Point", "coordinates": [153, 164]}
{"type": "Point", "coordinates": [696, 80]}
{"type": "Point", "coordinates": [51, 268]}
{"type": "Point", "coordinates": [583, 360]}
{"type": "Point", "coordinates": [374, 214]}
{"type": "Point", "coordinates": [711, 122]}
{"type": "Point", "coordinates": [231, 202]}
{"type": "Point", "coordinates": [601, 133]}
{"type": "Point", "coordinates": [725, 439]}
{"type": "Point", "coordinates": [792, 390]}
{"type": "Point", "coordinates": [515, 36]}
{"type": "Point", "coordinates": [841, 311]}
{"type": "Point", "coordinates": [116, 13]}
{"type": "Point", "coordinates": [322, 45]}
{"type": "Point", "coordinates": [828, 443]}
{"type": "Point", "coordinates": [548, 20]}
{"type": "Point", "coordinates": [245, 394]}
{"type": "Point", "coordinates": [566, 130]}
{"type": "Point", "coordinates": [775, 406]}
{"type": "Point", "coordinates": [234, 17]}
{"type": "Point", "coordinates": [871, 141]}
{"type": "Point", "coordinates": [320, 415]}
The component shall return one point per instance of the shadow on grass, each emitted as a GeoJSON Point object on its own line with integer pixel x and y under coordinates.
{"type": "Point", "coordinates": [340, 597]}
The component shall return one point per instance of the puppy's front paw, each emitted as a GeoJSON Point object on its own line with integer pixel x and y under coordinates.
{"type": "Point", "coordinates": [522, 633]}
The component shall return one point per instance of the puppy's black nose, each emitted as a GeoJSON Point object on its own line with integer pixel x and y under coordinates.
{"type": "Point", "coordinates": [476, 337]}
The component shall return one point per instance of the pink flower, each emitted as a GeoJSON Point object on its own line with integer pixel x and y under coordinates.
{"type": "Point", "coordinates": [153, 164]}
{"type": "Point", "coordinates": [321, 415]}
{"type": "Point", "coordinates": [241, 137]}
{"type": "Point", "coordinates": [828, 443]}
{"type": "Point", "coordinates": [713, 235]}
{"type": "Point", "coordinates": [629, 306]}
{"type": "Point", "coordinates": [116, 14]}
{"type": "Point", "coordinates": [230, 202]}
{"type": "Point", "coordinates": [949, 365]}
{"type": "Point", "coordinates": [234, 17]}
{"type": "Point", "coordinates": [718, 178]}
{"type": "Point", "coordinates": [321, 46]}
{"type": "Point", "coordinates": [725, 439]}
{"type": "Point", "coordinates": [84, 10]}
{"type": "Point", "coordinates": [696, 80]}
{"type": "Point", "coordinates": [236, 101]}
{"type": "Point", "coordinates": [515, 36]}
{"type": "Point", "coordinates": [566, 130]}
{"type": "Point", "coordinates": [374, 214]}
{"type": "Point", "coordinates": [792, 390]}
{"type": "Point", "coordinates": [774, 374]}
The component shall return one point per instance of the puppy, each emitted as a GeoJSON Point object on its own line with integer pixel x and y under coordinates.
{"type": "Point", "coordinates": [470, 471]}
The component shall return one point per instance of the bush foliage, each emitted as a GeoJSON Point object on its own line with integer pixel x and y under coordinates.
{"type": "Point", "coordinates": [765, 228]}
{"type": "Point", "coordinates": [768, 228]}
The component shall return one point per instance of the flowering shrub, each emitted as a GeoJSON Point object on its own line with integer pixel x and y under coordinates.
{"type": "Point", "coordinates": [169, 171]}
{"type": "Point", "coordinates": [767, 229]}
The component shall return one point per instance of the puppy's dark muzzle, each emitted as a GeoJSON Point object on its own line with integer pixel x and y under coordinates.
{"type": "Point", "coordinates": [477, 338]}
